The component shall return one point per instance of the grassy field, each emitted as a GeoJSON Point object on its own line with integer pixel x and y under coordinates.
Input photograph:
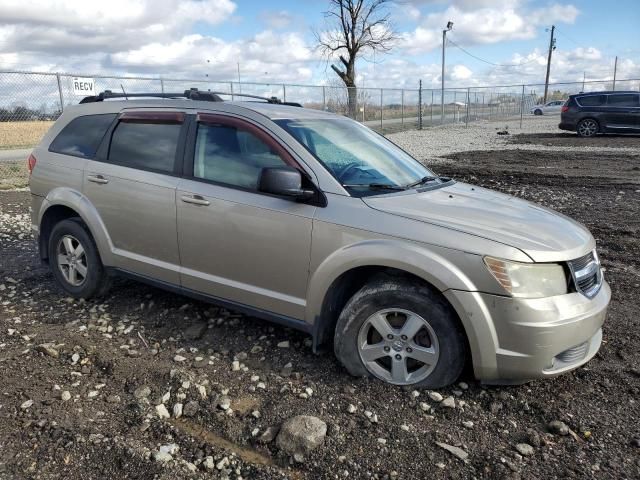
{"type": "Point", "coordinates": [22, 134]}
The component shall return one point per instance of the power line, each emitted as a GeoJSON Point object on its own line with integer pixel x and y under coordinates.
{"type": "Point", "coordinates": [491, 63]}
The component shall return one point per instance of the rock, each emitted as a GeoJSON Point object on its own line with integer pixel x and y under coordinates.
{"type": "Point", "coordinates": [208, 463]}
{"type": "Point", "coordinates": [191, 408]}
{"type": "Point", "coordinates": [533, 438]}
{"type": "Point", "coordinates": [463, 385]}
{"type": "Point", "coordinates": [301, 434]}
{"type": "Point", "coordinates": [162, 411]}
{"type": "Point", "coordinates": [558, 428]}
{"type": "Point", "coordinates": [224, 402]}
{"type": "Point", "coordinates": [449, 402]}
{"type": "Point", "coordinates": [382, 441]}
{"type": "Point", "coordinates": [404, 428]}
{"type": "Point", "coordinates": [65, 396]}
{"type": "Point", "coordinates": [162, 457]}
{"type": "Point", "coordinates": [425, 407]}
{"type": "Point", "coordinates": [268, 435]}
{"type": "Point", "coordinates": [284, 344]}
{"type": "Point", "coordinates": [74, 358]}
{"type": "Point", "coordinates": [415, 394]}
{"type": "Point", "coordinates": [142, 392]}
{"type": "Point", "coordinates": [525, 449]}
{"type": "Point", "coordinates": [93, 394]}
{"type": "Point", "coordinates": [113, 399]}
{"type": "Point", "coordinates": [351, 408]}
{"type": "Point", "coordinates": [177, 410]}
{"type": "Point", "coordinates": [222, 463]}
{"type": "Point", "coordinates": [235, 366]}
{"type": "Point", "coordinates": [635, 442]}
{"type": "Point", "coordinates": [435, 396]}
{"type": "Point", "coordinates": [455, 451]}
{"type": "Point", "coordinates": [26, 405]}
{"type": "Point", "coordinates": [179, 358]}
{"type": "Point", "coordinates": [467, 424]}
{"type": "Point", "coordinates": [195, 331]}
{"type": "Point", "coordinates": [47, 349]}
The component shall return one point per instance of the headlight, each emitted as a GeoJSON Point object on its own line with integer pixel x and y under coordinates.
{"type": "Point", "coordinates": [529, 280]}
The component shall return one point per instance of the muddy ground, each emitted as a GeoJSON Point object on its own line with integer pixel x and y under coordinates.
{"type": "Point", "coordinates": [75, 409]}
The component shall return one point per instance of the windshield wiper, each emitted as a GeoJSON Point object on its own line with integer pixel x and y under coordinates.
{"type": "Point", "coordinates": [374, 186]}
{"type": "Point", "coordinates": [422, 181]}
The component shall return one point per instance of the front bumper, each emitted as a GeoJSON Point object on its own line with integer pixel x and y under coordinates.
{"type": "Point", "coordinates": [516, 339]}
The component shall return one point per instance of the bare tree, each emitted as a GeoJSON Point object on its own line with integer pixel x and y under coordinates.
{"type": "Point", "coordinates": [355, 28]}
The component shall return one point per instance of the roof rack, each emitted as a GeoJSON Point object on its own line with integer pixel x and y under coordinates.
{"type": "Point", "coordinates": [191, 94]}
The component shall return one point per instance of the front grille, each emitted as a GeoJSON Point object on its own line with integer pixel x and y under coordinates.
{"type": "Point", "coordinates": [586, 274]}
{"type": "Point", "coordinates": [573, 354]}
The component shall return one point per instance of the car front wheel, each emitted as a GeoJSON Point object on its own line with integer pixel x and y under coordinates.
{"type": "Point", "coordinates": [537, 111]}
{"type": "Point", "coordinates": [587, 128]}
{"type": "Point", "coordinates": [401, 332]}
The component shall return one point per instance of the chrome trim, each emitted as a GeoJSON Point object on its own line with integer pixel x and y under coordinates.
{"type": "Point", "coordinates": [590, 269]}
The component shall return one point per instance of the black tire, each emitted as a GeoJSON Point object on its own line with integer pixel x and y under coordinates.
{"type": "Point", "coordinates": [587, 128]}
{"type": "Point", "coordinates": [97, 282]}
{"type": "Point", "coordinates": [388, 292]}
{"type": "Point", "coordinates": [537, 111]}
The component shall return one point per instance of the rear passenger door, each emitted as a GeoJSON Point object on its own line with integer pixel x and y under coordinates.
{"type": "Point", "coordinates": [622, 111]}
{"type": "Point", "coordinates": [132, 184]}
{"type": "Point", "coordinates": [235, 242]}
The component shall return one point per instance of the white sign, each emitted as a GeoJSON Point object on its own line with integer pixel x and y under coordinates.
{"type": "Point", "coordinates": [84, 86]}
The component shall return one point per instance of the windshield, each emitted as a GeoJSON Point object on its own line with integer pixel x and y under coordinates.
{"type": "Point", "coordinates": [361, 160]}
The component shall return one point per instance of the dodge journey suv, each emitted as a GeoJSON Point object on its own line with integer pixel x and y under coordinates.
{"type": "Point", "coordinates": [313, 221]}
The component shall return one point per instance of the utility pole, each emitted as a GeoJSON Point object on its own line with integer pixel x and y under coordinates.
{"type": "Point", "coordinates": [552, 47]}
{"type": "Point", "coordinates": [444, 42]}
{"type": "Point", "coordinates": [615, 69]}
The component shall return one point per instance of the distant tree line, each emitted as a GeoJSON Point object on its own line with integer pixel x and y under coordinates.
{"type": "Point", "coordinates": [20, 113]}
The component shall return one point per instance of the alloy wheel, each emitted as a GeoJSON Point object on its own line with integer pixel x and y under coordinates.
{"type": "Point", "coordinates": [398, 346]}
{"type": "Point", "coordinates": [72, 260]}
{"type": "Point", "coordinates": [588, 128]}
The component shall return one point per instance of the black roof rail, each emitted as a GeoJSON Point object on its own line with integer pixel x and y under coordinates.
{"type": "Point", "coordinates": [191, 94]}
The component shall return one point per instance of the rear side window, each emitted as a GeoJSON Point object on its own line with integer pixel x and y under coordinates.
{"type": "Point", "coordinates": [82, 135]}
{"type": "Point", "coordinates": [591, 100]}
{"type": "Point", "coordinates": [623, 100]}
{"type": "Point", "coordinates": [146, 146]}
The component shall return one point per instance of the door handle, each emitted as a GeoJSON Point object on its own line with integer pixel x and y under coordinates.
{"type": "Point", "coordinates": [195, 200]}
{"type": "Point", "coordinates": [97, 179]}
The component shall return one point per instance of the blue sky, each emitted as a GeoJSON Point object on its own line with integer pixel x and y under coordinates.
{"type": "Point", "coordinates": [273, 41]}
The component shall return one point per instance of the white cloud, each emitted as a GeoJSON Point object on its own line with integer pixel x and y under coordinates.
{"type": "Point", "coordinates": [277, 20]}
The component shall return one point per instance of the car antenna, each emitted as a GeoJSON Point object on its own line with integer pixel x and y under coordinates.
{"type": "Point", "coordinates": [125, 93]}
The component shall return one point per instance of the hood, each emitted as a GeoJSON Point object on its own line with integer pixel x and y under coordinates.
{"type": "Point", "coordinates": [541, 233]}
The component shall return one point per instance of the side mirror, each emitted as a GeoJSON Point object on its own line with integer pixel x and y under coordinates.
{"type": "Point", "coordinates": [284, 181]}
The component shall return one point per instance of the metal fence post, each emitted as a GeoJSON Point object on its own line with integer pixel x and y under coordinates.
{"type": "Point", "coordinates": [381, 104]}
{"type": "Point", "coordinates": [284, 93]}
{"type": "Point", "coordinates": [402, 106]}
{"type": "Point", "coordinates": [468, 100]}
{"type": "Point", "coordinates": [232, 96]}
{"type": "Point", "coordinates": [420, 105]}
{"type": "Point", "coordinates": [431, 118]}
{"type": "Point", "coordinates": [324, 98]}
{"type": "Point", "coordinates": [522, 106]}
{"type": "Point", "coordinates": [161, 85]}
{"type": "Point", "coordinates": [60, 92]}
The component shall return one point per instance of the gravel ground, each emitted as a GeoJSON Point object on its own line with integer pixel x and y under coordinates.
{"type": "Point", "coordinates": [147, 384]}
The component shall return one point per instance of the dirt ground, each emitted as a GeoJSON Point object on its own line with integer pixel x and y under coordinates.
{"type": "Point", "coordinates": [74, 408]}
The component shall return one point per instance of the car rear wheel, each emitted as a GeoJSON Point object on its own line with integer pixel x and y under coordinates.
{"type": "Point", "coordinates": [587, 128]}
{"type": "Point", "coordinates": [402, 333]}
{"type": "Point", "coordinates": [74, 260]}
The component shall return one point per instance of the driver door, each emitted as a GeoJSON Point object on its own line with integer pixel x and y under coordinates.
{"type": "Point", "coordinates": [237, 243]}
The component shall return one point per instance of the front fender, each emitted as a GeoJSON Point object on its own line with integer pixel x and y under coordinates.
{"type": "Point", "coordinates": [398, 254]}
{"type": "Point", "coordinates": [76, 201]}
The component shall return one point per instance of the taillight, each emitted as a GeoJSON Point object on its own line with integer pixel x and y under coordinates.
{"type": "Point", "coordinates": [565, 108]}
{"type": "Point", "coordinates": [31, 163]}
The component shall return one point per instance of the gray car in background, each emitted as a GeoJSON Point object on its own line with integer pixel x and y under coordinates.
{"type": "Point", "coordinates": [313, 221]}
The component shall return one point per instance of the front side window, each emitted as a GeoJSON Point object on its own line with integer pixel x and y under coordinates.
{"type": "Point", "coordinates": [232, 155]}
{"type": "Point", "coordinates": [82, 136]}
{"type": "Point", "coordinates": [145, 146]}
{"type": "Point", "coordinates": [361, 160]}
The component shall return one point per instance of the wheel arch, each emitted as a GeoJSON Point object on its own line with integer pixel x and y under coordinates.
{"type": "Point", "coordinates": [63, 203]}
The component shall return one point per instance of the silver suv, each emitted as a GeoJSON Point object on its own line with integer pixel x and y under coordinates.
{"type": "Point", "coordinates": [313, 221]}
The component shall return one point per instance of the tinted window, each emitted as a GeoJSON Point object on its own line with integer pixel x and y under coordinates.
{"type": "Point", "coordinates": [232, 156]}
{"type": "Point", "coordinates": [81, 137]}
{"type": "Point", "coordinates": [628, 100]}
{"type": "Point", "coordinates": [148, 146]}
{"type": "Point", "coordinates": [591, 101]}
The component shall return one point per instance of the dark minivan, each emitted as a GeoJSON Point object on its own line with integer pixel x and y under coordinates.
{"type": "Point", "coordinates": [588, 114]}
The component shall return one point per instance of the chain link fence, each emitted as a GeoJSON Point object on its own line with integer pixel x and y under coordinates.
{"type": "Point", "coordinates": [30, 102]}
